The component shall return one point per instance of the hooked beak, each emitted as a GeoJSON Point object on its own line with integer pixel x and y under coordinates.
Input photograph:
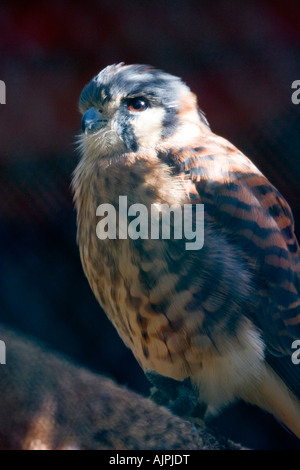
{"type": "Point", "coordinates": [92, 121]}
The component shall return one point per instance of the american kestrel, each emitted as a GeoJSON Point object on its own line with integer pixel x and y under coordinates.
{"type": "Point", "coordinates": [224, 317]}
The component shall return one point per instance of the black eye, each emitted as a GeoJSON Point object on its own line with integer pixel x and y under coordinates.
{"type": "Point", "coordinates": [137, 104]}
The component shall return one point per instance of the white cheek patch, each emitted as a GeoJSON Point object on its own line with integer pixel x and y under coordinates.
{"type": "Point", "coordinates": [147, 126]}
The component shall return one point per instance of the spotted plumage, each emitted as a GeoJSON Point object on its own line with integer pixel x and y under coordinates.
{"type": "Point", "coordinates": [224, 316]}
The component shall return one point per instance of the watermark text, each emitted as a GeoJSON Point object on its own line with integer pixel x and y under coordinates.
{"type": "Point", "coordinates": [296, 94]}
{"type": "Point", "coordinates": [160, 222]}
{"type": "Point", "coordinates": [2, 352]}
{"type": "Point", "coordinates": [296, 354]}
{"type": "Point", "coordinates": [2, 92]}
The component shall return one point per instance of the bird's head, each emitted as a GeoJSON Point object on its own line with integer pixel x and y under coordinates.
{"type": "Point", "coordinates": [126, 108]}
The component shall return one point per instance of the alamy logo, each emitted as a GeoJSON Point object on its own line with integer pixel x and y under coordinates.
{"type": "Point", "coordinates": [296, 94]}
{"type": "Point", "coordinates": [2, 92]}
{"type": "Point", "coordinates": [296, 354]}
{"type": "Point", "coordinates": [2, 353]}
{"type": "Point", "coordinates": [163, 221]}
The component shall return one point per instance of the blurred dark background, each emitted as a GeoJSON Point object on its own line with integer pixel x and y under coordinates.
{"type": "Point", "coordinates": [239, 57]}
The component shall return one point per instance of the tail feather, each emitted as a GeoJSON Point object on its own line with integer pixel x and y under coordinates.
{"type": "Point", "coordinates": [273, 395]}
{"type": "Point", "coordinates": [287, 370]}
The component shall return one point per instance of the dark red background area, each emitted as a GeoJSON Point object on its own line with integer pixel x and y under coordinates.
{"type": "Point", "coordinates": [240, 58]}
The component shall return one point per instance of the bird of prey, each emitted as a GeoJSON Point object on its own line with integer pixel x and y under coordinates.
{"type": "Point", "coordinates": [224, 317]}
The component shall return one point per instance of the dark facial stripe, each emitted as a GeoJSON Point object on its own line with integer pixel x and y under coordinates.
{"type": "Point", "coordinates": [126, 133]}
{"type": "Point", "coordinates": [170, 123]}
